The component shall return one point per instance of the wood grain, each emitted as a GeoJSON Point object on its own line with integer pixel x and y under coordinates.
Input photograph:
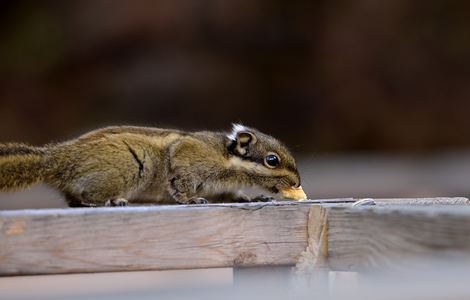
{"type": "Point", "coordinates": [370, 237]}
{"type": "Point", "coordinates": [151, 238]}
{"type": "Point", "coordinates": [52, 241]}
{"type": "Point", "coordinates": [315, 255]}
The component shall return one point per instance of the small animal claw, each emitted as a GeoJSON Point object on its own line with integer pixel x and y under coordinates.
{"type": "Point", "coordinates": [262, 198]}
{"type": "Point", "coordinates": [117, 202]}
{"type": "Point", "coordinates": [198, 200]}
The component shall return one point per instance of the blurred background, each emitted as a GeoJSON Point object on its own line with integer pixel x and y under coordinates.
{"type": "Point", "coordinates": [371, 96]}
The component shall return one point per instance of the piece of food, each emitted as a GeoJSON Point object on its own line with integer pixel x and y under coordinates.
{"type": "Point", "coordinates": [294, 193]}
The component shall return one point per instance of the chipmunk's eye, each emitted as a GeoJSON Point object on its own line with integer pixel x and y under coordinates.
{"type": "Point", "coordinates": [271, 161]}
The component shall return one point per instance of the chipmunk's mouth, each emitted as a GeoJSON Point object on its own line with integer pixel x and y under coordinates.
{"type": "Point", "coordinates": [295, 193]}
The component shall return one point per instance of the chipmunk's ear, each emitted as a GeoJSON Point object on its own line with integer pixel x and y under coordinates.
{"type": "Point", "coordinates": [241, 139]}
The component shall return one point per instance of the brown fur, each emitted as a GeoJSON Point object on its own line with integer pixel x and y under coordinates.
{"type": "Point", "coordinates": [149, 165]}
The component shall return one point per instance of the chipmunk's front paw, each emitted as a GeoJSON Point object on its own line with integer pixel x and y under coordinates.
{"type": "Point", "coordinates": [117, 202]}
{"type": "Point", "coordinates": [198, 200]}
{"type": "Point", "coordinates": [262, 198]}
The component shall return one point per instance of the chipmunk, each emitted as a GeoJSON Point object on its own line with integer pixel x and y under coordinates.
{"type": "Point", "coordinates": [116, 165]}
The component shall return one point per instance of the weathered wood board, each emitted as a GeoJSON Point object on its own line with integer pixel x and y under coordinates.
{"type": "Point", "coordinates": [327, 233]}
{"type": "Point", "coordinates": [151, 238]}
{"type": "Point", "coordinates": [361, 238]}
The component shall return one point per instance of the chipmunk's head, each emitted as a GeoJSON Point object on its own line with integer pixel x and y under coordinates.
{"type": "Point", "coordinates": [266, 160]}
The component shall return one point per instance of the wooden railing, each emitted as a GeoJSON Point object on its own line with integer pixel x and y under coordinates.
{"type": "Point", "coordinates": [331, 234]}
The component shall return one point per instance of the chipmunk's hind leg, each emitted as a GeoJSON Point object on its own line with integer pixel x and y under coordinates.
{"type": "Point", "coordinates": [104, 194]}
{"type": "Point", "coordinates": [98, 189]}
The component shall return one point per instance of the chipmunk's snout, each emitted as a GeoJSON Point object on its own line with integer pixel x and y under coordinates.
{"type": "Point", "coordinates": [295, 193]}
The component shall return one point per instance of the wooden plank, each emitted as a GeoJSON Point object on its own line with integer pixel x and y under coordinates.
{"type": "Point", "coordinates": [315, 255]}
{"type": "Point", "coordinates": [151, 238]}
{"type": "Point", "coordinates": [368, 237]}
{"type": "Point", "coordinates": [312, 267]}
{"type": "Point", "coordinates": [171, 237]}
{"type": "Point", "coordinates": [423, 201]}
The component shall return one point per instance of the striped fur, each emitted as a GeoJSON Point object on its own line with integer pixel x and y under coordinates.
{"type": "Point", "coordinates": [20, 166]}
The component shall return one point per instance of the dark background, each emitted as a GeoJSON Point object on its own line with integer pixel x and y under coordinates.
{"type": "Point", "coordinates": [372, 96]}
{"type": "Point", "coordinates": [324, 76]}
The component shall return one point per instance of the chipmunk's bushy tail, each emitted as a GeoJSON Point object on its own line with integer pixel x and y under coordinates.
{"type": "Point", "coordinates": [20, 166]}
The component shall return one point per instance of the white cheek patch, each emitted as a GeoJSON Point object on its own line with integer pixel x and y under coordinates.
{"type": "Point", "coordinates": [245, 165]}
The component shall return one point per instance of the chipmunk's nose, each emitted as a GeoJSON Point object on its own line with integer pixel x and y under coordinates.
{"type": "Point", "coordinates": [295, 193]}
